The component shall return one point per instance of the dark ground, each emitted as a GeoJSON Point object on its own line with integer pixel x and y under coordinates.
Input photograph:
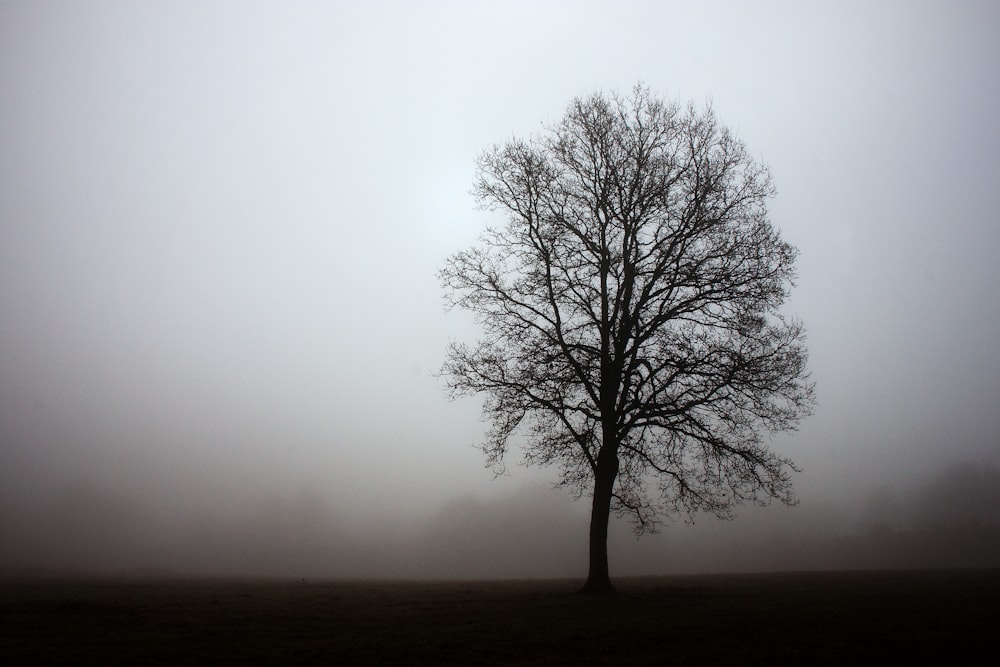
{"type": "Point", "coordinates": [949, 617]}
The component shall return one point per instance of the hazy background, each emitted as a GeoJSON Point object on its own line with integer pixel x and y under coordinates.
{"type": "Point", "coordinates": [220, 224]}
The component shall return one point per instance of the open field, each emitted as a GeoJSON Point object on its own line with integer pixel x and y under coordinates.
{"type": "Point", "coordinates": [795, 618]}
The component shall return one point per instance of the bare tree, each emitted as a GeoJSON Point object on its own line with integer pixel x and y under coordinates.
{"type": "Point", "coordinates": [630, 310]}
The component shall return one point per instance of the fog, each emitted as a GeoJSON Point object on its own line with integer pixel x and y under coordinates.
{"type": "Point", "coordinates": [221, 222]}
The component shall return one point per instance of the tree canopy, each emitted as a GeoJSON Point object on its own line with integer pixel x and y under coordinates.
{"type": "Point", "coordinates": [631, 313]}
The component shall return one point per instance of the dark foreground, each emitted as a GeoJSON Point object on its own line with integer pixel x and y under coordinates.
{"type": "Point", "coordinates": [800, 618]}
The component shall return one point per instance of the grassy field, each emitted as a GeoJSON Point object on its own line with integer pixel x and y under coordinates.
{"type": "Point", "coordinates": [795, 618]}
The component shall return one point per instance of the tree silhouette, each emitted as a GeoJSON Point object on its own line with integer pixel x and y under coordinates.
{"type": "Point", "coordinates": [630, 311]}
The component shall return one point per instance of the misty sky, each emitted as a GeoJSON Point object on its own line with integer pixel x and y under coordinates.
{"type": "Point", "coordinates": [221, 222]}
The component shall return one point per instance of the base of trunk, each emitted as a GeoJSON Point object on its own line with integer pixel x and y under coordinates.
{"type": "Point", "coordinates": [598, 587]}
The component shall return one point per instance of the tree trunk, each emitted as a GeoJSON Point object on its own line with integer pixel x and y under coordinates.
{"type": "Point", "coordinates": [599, 579]}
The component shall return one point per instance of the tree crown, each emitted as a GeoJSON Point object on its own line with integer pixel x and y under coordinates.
{"type": "Point", "coordinates": [630, 308]}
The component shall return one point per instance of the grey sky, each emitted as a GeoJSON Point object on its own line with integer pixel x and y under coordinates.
{"type": "Point", "coordinates": [220, 224]}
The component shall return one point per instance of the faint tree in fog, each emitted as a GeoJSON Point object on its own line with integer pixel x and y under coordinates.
{"type": "Point", "coordinates": [630, 309]}
{"type": "Point", "coordinates": [963, 495]}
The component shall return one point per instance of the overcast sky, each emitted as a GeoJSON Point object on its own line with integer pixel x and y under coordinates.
{"type": "Point", "coordinates": [221, 222]}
